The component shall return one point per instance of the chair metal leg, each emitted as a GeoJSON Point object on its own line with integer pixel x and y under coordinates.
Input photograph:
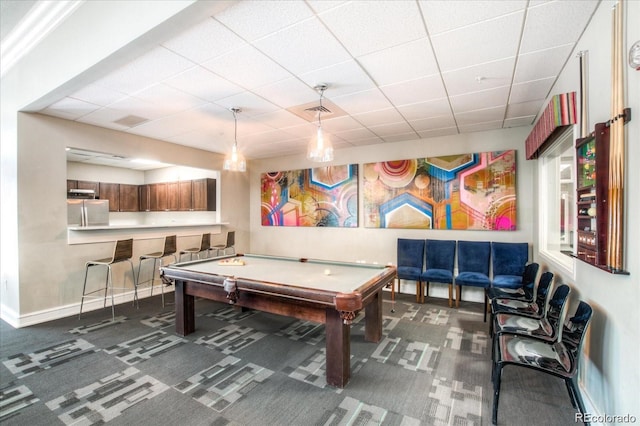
{"type": "Point", "coordinates": [161, 284]}
{"type": "Point", "coordinates": [496, 391]}
{"type": "Point", "coordinates": [106, 287]}
{"type": "Point", "coordinates": [113, 309]}
{"type": "Point", "coordinates": [450, 295]}
{"type": "Point", "coordinates": [84, 289]}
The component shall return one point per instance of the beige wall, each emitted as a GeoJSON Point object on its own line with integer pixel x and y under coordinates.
{"type": "Point", "coordinates": [51, 271]}
{"type": "Point", "coordinates": [379, 245]}
{"type": "Point", "coordinates": [611, 373]}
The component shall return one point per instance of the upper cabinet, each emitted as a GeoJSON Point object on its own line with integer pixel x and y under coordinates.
{"type": "Point", "coordinates": [204, 194]}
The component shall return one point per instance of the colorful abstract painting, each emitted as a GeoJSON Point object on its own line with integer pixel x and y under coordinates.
{"type": "Point", "coordinates": [323, 196]}
{"type": "Point", "coordinates": [467, 191]}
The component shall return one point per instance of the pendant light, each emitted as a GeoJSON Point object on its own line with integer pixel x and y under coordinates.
{"type": "Point", "coordinates": [320, 148]}
{"type": "Point", "coordinates": [235, 162]}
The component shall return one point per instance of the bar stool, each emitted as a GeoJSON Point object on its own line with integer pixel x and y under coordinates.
{"type": "Point", "coordinates": [123, 251]}
{"type": "Point", "coordinates": [168, 250]}
{"type": "Point", "coordinates": [205, 245]}
{"type": "Point", "coordinates": [230, 244]}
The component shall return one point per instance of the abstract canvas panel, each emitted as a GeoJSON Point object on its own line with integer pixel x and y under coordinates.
{"type": "Point", "coordinates": [467, 191]}
{"type": "Point", "coordinates": [322, 196]}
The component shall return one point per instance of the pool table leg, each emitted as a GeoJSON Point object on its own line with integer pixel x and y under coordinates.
{"type": "Point", "coordinates": [373, 319]}
{"type": "Point", "coordinates": [185, 310]}
{"type": "Point", "coordinates": [338, 349]}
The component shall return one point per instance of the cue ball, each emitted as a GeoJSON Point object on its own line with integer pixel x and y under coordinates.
{"type": "Point", "coordinates": [327, 271]}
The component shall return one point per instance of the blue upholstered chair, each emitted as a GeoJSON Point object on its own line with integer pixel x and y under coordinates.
{"type": "Point", "coordinates": [439, 265]}
{"type": "Point", "coordinates": [559, 358]}
{"type": "Point", "coordinates": [473, 268]}
{"type": "Point", "coordinates": [526, 292]}
{"type": "Point", "coordinates": [410, 262]}
{"type": "Point", "coordinates": [509, 260]}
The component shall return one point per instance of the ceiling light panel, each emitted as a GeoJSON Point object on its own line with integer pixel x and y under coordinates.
{"type": "Point", "coordinates": [363, 27]}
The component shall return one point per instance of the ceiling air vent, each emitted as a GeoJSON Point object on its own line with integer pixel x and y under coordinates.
{"type": "Point", "coordinates": [310, 111]}
{"type": "Point", "coordinates": [131, 121]}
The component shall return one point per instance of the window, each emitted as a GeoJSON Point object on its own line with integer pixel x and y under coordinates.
{"type": "Point", "coordinates": [556, 172]}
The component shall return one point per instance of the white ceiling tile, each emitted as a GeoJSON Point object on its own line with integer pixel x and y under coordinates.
{"type": "Point", "coordinates": [479, 100]}
{"type": "Point", "coordinates": [479, 43]}
{"type": "Point", "coordinates": [524, 108]}
{"type": "Point", "coordinates": [281, 119]}
{"type": "Point", "coordinates": [433, 123]}
{"type": "Point", "coordinates": [420, 110]}
{"type": "Point", "coordinates": [368, 141]}
{"type": "Point", "coordinates": [250, 104]}
{"type": "Point", "coordinates": [356, 134]}
{"type": "Point", "coordinates": [365, 101]}
{"type": "Point", "coordinates": [383, 116]}
{"type": "Point", "coordinates": [425, 134]}
{"type": "Point", "coordinates": [204, 41]}
{"type": "Point", "coordinates": [531, 90]}
{"type": "Point", "coordinates": [555, 23]}
{"type": "Point", "coordinates": [343, 78]}
{"type": "Point", "coordinates": [491, 74]}
{"type": "Point", "coordinates": [320, 6]}
{"type": "Point", "coordinates": [287, 93]}
{"type": "Point", "coordinates": [445, 15]}
{"type": "Point", "coordinates": [201, 140]}
{"type": "Point", "coordinates": [481, 127]}
{"type": "Point", "coordinates": [152, 67]}
{"type": "Point", "coordinates": [97, 95]}
{"type": "Point", "coordinates": [541, 63]}
{"type": "Point", "coordinates": [420, 89]}
{"type": "Point", "coordinates": [203, 83]}
{"type": "Point", "coordinates": [304, 130]}
{"type": "Point", "coordinates": [159, 93]}
{"type": "Point", "coordinates": [364, 26]}
{"type": "Point", "coordinates": [134, 106]}
{"type": "Point", "coordinates": [303, 47]}
{"type": "Point", "coordinates": [340, 124]}
{"type": "Point", "coordinates": [164, 127]}
{"type": "Point", "coordinates": [247, 67]}
{"type": "Point", "coordinates": [105, 117]}
{"type": "Point", "coordinates": [70, 108]}
{"type": "Point", "coordinates": [392, 129]}
{"type": "Point", "coordinates": [401, 137]}
{"type": "Point", "coordinates": [410, 61]}
{"type": "Point", "coordinates": [519, 121]}
{"type": "Point", "coordinates": [480, 116]}
{"type": "Point", "coordinates": [255, 19]}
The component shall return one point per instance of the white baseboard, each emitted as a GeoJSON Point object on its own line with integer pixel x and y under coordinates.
{"type": "Point", "coordinates": [33, 318]}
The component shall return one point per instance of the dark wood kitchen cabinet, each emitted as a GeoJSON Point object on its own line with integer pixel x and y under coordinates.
{"type": "Point", "coordinates": [111, 192]}
{"type": "Point", "coordinates": [144, 198]}
{"type": "Point", "coordinates": [185, 196]}
{"type": "Point", "coordinates": [173, 196]}
{"type": "Point", "coordinates": [158, 197]}
{"type": "Point", "coordinates": [204, 194]}
{"type": "Point", "coordinates": [129, 198]}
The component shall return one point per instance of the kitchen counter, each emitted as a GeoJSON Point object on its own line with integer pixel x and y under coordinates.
{"type": "Point", "coordinates": [110, 233]}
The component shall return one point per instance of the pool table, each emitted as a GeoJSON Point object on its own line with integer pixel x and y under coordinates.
{"type": "Point", "coordinates": [316, 290]}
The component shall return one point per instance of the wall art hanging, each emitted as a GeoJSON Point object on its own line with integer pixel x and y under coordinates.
{"type": "Point", "coordinates": [467, 191]}
{"type": "Point", "coordinates": [323, 196]}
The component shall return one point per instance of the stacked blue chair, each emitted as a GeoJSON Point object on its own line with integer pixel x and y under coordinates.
{"type": "Point", "coordinates": [559, 358]}
{"type": "Point", "coordinates": [473, 268]}
{"type": "Point", "coordinates": [439, 265]}
{"type": "Point", "coordinates": [410, 258]}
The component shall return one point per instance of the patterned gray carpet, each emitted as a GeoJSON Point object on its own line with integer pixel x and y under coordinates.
{"type": "Point", "coordinates": [250, 368]}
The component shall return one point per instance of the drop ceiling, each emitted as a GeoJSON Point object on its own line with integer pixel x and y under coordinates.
{"type": "Point", "coordinates": [395, 70]}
